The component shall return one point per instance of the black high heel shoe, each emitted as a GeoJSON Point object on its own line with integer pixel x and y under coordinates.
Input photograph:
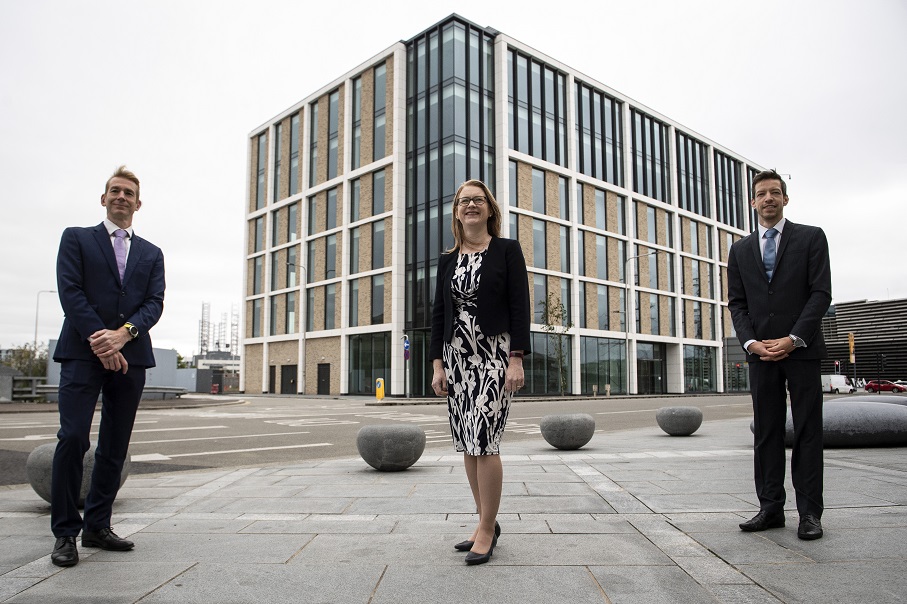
{"type": "Point", "coordinates": [465, 546]}
{"type": "Point", "coordinates": [473, 558]}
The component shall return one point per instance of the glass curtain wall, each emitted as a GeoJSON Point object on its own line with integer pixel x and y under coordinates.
{"type": "Point", "coordinates": [450, 138]}
{"type": "Point", "coordinates": [369, 360]}
{"type": "Point", "coordinates": [699, 370]}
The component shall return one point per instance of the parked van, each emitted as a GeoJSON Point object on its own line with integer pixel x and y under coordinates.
{"type": "Point", "coordinates": [835, 384]}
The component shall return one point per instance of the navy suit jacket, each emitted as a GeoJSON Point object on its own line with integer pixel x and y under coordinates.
{"type": "Point", "coordinates": [93, 297]}
{"type": "Point", "coordinates": [503, 297]}
{"type": "Point", "coordinates": [796, 298]}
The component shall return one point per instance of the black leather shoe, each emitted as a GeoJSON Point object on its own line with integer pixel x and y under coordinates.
{"type": "Point", "coordinates": [474, 558]}
{"type": "Point", "coordinates": [810, 527]}
{"type": "Point", "coordinates": [65, 552]}
{"type": "Point", "coordinates": [465, 546]}
{"type": "Point", "coordinates": [763, 520]}
{"type": "Point", "coordinates": [106, 539]}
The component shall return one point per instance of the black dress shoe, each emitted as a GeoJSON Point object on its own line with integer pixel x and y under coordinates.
{"type": "Point", "coordinates": [474, 558]}
{"type": "Point", "coordinates": [810, 527]}
{"type": "Point", "coordinates": [465, 546]}
{"type": "Point", "coordinates": [65, 552]}
{"type": "Point", "coordinates": [763, 520]}
{"type": "Point", "coordinates": [106, 539]}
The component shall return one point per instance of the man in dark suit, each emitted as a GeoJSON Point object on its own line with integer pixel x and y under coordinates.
{"type": "Point", "coordinates": [111, 285]}
{"type": "Point", "coordinates": [779, 288]}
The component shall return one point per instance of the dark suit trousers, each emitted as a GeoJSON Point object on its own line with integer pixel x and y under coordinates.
{"type": "Point", "coordinates": [80, 384]}
{"type": "Point", "coordinates": [767, 385]}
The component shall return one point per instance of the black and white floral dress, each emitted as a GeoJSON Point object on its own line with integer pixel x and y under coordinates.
{"type": "Point", "coordinates": [476, 366]}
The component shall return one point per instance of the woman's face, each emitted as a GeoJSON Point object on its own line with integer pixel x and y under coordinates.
{"type": "Point", "coordinates": [474, 214]}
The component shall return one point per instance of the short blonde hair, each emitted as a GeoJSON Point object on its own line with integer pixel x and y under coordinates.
{"type": "Point", "coordinates": [494, 217]}
{"type": "Point", "coordinates": [122, 172]}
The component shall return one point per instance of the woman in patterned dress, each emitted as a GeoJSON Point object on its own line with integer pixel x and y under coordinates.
{"type": "Point", "coordinates": [480, 332]}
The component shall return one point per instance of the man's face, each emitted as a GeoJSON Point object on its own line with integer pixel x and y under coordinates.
{"type": "Point", "coordinates": [121, 200]}
{"type": "Point", "coordinates": [769, 202]}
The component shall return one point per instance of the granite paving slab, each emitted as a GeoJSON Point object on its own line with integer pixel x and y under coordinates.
{"type": "Point", "coordinates": [205, 583]}
{"type": "Point", "coordinates": [197, 547]}
{"type": "Point", "coordinates": [101, 582]}
{"type": "Point", "coordinates": [650, 585]}
{"type": "Point", "coordinates": [876, 581]}
{"type": "Point", "coordinates": [488, 583]}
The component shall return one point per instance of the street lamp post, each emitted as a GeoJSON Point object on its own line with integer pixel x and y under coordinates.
{"type": "Point", "coordinates": [627, 311]}
{"type": "Point", "coordinates": [302, 322]}
{"type": "Point", "coordinates": [37, 302]}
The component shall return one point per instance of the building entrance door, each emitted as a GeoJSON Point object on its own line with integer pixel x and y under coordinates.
{"type": "Point", "coordinates": [288, 379]}
{"type": "Point", "coordinates": [651, 374]}
{"type": "Point", "coordinates": [324, 378]}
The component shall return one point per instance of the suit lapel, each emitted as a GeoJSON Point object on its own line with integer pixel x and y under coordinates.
{"type": "Point", "coordinates": [756, 250]}
{"type": "Point", "coordinates": [103, 239]}
{"type": "Point", "coordinates": [789, 230]}
{"type": "Point", "coordinates": [136, 249]}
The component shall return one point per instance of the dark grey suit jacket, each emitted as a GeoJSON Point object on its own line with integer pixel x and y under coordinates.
{"type": "Point", "coordinates": [503, 297]}
{"type": "Point", "coordinates": [796, 298]}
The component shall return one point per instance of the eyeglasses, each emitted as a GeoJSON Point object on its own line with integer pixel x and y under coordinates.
{"type": "Point", "coordinates": [479, 201]}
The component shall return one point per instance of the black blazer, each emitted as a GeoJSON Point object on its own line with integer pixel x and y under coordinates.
{"type": "Point", "coordinates": [503, 297]}
{"type": "Point", "coordinates": [93, 297]}
{"type": "Point", "coordinates": [796, 298]}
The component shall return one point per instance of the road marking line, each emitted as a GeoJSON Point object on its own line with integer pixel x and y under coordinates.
{"type": "Point", "coordinates": [184, 440]}
{"type": "Point", "coordinates": [160, 457]}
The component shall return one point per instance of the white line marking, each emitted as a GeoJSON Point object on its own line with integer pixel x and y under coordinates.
{"type": "Point", "coordinates": [184, 440]}
{"type": "Point", "coordinates": [160, 457]}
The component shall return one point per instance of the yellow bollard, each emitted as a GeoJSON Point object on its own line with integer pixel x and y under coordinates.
{"type": "Point", "coordinates": [379, 388]}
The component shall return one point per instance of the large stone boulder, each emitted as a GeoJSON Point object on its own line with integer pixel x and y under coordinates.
{"type": "Point", "coordinates": [679, 421]}
{"type": "Point", "coordinates": [568, 431]}
{"type": "Point", "coordinates": [855, 423]}
{"type": "Point", "coordinates": [390, 448]}
{"type": "Point", "coordinates": [39, 468]}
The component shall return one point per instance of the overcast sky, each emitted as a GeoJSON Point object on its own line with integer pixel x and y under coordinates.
{"type": "Point", "coordinates": [814, 88]}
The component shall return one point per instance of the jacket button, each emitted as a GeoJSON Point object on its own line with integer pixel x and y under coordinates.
{"type": "Point", "coordinates": [770, 292]}
{"type": "Point", "coordinates": [771, 314]}
{"type": "Point", "coordinates": [122, 316]}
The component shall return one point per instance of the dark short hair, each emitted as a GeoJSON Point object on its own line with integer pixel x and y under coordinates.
{"type": "Point", "coordinates": [122, 172]}
{"type": "Point", "coordinates": [768, 175]}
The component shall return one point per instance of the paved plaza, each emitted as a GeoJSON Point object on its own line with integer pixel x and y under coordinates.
{"type": "Point", "coordinates": [634, 517]}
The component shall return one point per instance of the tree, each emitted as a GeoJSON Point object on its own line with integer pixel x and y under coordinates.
{"type": "Point", "coordinates": [30, 360]}
{"type": "Point", "coordinates": [556, 321]}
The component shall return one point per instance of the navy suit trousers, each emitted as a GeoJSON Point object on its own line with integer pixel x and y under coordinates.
{"type": "Point", "coordinates": [769, 384]}
{"type": "Point", "coordinates": [80, 384]}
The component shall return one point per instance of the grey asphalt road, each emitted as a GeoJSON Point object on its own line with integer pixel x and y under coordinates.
{"type": "Point", "coordinates": [265, 430]}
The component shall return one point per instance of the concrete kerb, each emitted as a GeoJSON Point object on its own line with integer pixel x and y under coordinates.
{"type": "Point", "coordinates": [635, 515]}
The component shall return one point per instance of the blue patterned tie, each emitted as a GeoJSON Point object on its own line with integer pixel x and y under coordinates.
{"type": "Point", "coordinates": [119, 250]}
{"type": "Point", "coordinates": [768, 256]}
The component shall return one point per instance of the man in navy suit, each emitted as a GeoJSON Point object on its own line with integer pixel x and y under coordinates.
{"type": "Point", "coordinates": [779, 288]}
{"type": "Point", "coordinates": [111, 285]}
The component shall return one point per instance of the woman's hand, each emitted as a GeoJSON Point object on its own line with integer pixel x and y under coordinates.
{"type": "Point", "coordinates": [439, 380]}
{"type": "Point", "coordinates": [514, 379]}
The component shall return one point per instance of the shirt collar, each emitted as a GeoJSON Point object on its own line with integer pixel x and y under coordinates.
{"type": "Point", "coordinates": [778, 227]}
{"type": "Point", "coordinates": [111, 227]}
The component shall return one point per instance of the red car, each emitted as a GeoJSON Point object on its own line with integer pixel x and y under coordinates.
{"type": "Point", "coordinates": [884, 386]}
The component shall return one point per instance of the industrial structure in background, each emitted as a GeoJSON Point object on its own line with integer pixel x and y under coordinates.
{"type": "Point", "coordinates": [867, 339]}
{"type": "Point", "coordinates": [217, 363]}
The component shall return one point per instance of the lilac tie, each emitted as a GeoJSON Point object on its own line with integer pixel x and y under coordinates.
{"type": "Point", "coordinates": [768, 255]}
{"type": "Point", "coordinates": [119, 250]}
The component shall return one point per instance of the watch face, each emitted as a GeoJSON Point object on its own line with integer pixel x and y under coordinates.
{"type": "Point", "coordinates": [133, 331]}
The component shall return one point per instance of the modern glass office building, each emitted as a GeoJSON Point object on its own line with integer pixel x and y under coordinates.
{"type": "Point", "coordinates": [621, 212]}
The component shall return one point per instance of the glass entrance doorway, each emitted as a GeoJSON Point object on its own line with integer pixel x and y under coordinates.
{"type": "Point", "coordinates": [651, 368]}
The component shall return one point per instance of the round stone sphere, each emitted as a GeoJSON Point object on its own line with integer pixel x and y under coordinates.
{"type": "Point", "coordinates": [39, 468]}
{"type": "Point", "coordinates": [679, 421]}
{"type": "Point", "coordinates": [390, 448]}
{"type": "Point", "coordinates": [568, 431]}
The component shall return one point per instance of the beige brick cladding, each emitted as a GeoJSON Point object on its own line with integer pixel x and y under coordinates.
{"type": "Point", "coordinates": [367, 117]}
{"type": "Point", "coordinates": [283, 184]}
{"type": "Point", "coordinates": [283, 353]}
{"type": "Point", "coordinates": [552, 246]}
{"type": "Point", "coordinates": [318, 351]}
{"type": "Point", "coordinates": [252, 367]}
